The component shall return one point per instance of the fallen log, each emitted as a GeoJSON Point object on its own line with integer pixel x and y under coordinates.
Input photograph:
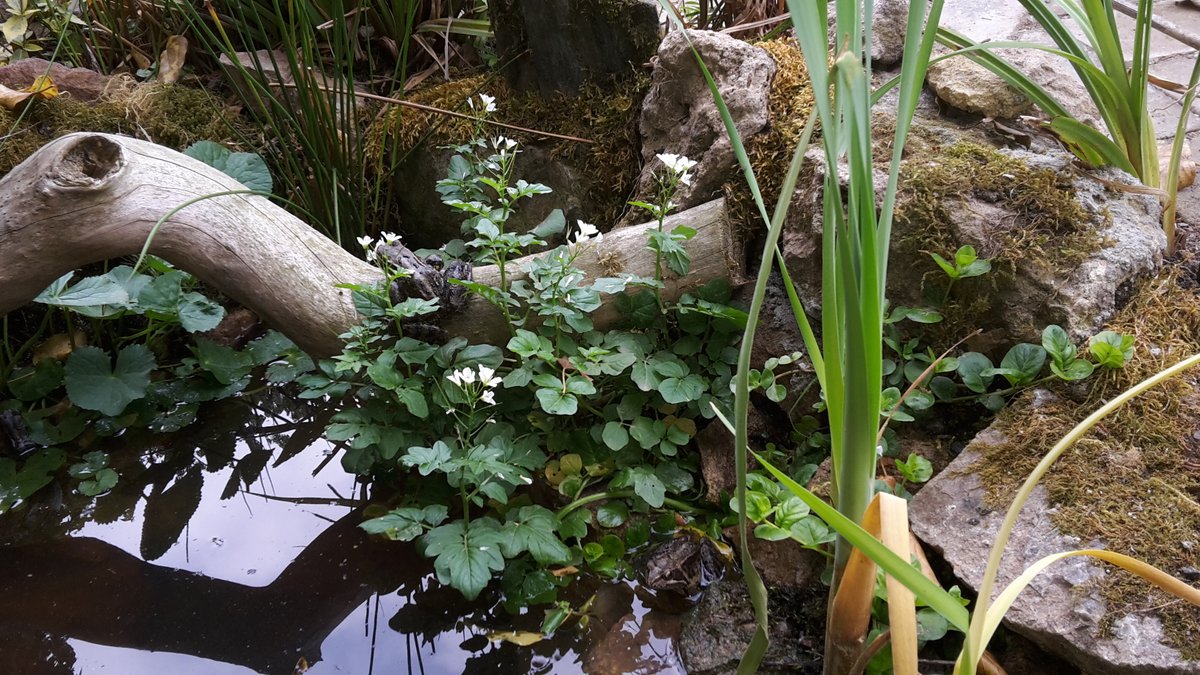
{"type": "Point", "coordinates": [88, 197]}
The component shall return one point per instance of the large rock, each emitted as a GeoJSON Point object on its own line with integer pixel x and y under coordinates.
{"type": "Point", "coordinates": [558, 45]}
{"type": "Point", "coordinates": [1076, 278]}
{"type": "Point", "coordinates": [79, 83]}
{"type": "Point", "coordinates": [887, 31]}
{"type": "Point", "coordinates": [968, 86]}
{"type": "Point", "coordinates": [1059, 611]}
{"type": "Point", "coordinates": [679, 116]}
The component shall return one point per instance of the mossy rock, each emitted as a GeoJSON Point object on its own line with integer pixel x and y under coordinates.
{"type": "Point", "coordinates": [591, 178]}
{"type": "Point", "coordinates": [1131, 485]}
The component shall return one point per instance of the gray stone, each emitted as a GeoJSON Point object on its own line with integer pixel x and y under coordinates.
{"type": "Point", "coordinates": [968, 86]}
{"type": "Point", "coordinates": [1056, 611]}
{"type": "Point", "coordinates": [887, 31]}
{"type": "Point", "coordinates": [679, 116]}
{"type": "Point", "coordinates": [558, 45]}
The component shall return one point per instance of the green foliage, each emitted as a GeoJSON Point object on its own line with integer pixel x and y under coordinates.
{"type": "Point", "coordinates": [247, 168]}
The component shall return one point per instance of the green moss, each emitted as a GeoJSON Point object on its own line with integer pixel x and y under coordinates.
{"type": "Point", "coordinates": [789, 102]}
{"type": "Point", "coordinates": [604, 113]}
{"type": "Point", "coordinates": [1134, 481]}
{"type": "Point", "coordinates": [171, 115]}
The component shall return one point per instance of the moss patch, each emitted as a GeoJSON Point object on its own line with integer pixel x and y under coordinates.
{"type": "Point", "coordinates": [1134, 481]}
{"type": "Point", "coordinates": [171, 115]}
{"type": "Point", "coordinates": [789, 102]}
{"type": "Point", "coordinates": [604, 113]}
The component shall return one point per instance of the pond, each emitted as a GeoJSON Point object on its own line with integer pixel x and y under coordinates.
{"type": "Point", "coordinates": [232, 547]}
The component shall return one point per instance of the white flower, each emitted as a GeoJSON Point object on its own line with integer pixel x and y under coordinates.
{"type": "Point", "coordinates": [390, 238]}
{"type": "Point", "coordinates": [587, 232]}
{"type": "Point", "coordinates": [467, 376]}
{"type": "Point", "coordinates": [503, 144]}
{"type": "Point", "coordinates": [455, 378]}
{"type": "Point", "coordinates": [365, 241]}
{"type": "Point", "coordinates": [488, 397]}
{"type": "Point", "coordinates": [489, 102]}
{"type": "Point", "coordinates": [678, 164]}
{"type": "Point", "coordinates": [487, 377]}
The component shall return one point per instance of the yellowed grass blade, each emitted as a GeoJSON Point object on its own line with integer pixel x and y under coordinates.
{"type": "Point", "coordinates": [887, 519]}
{"type": "Point", "coordinates": [1146, 571]}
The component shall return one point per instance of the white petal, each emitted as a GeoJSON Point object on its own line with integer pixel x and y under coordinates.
{"type": "Point", "coordinates": [365, 241]}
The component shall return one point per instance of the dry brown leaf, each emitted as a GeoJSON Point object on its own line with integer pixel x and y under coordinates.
{"type": "Point", "coordinates": [58, 347]}
{"type": "Point", "coordinates": [170, 62]}
{"type": "Point", "coordinates": [11, 99]}
{"type": "Point", "coordinates": [1187, 168]}
{"type": "Point", "coordinates": [564, 571]}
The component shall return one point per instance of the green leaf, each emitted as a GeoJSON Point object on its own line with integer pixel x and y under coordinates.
{"type": "Point", "coordinates": [465, 558]}
{"type": "Point", "coordinates": [247, 168]}
{"type": "Point", "coordinates": [226, 364]}
{"type": "Point", "coordinates": [943, 388]}
{"type": "Point", "coordinates": [527, 343]}
{"type": "Point", "coordinates": [971, 367]}
{"type": "Point", "coordinates": [553, 224]}
{"type": "Point", "coordinates": [428, 460]}
{"type": "Point", "coordinates": [1023, 363]}
{"type": "Point", "coordinates": [1076, 369]}
{"type": "Point", "coordinates": [198, 314]}
{"type": "Point", "coordinates": [646, 485]}
{"type": "Point", "coordinates": [1110, 349]}
{"type": "Point", "coordinates": [916, 470]}
{"type": "Point", "coordinates": [612, 514]}
{"type": "Point", "coordinates": [810, 531]}
{"type": "Point", "coordinates": [615, 436]}
{"type": "Point", "coordinates": [771, 532]}
{"type": "Point", "coordinates": [575, 524]}
{"type": "Point", "coordinates": [647, 432]}
{"type": "Point", "coordinates": [532, 529]}
{"type": "Point", "coordinates": [103, 481]}
{"type": "Point", "coordinates": [33, 384]}
{"type": "Point", "coordinates": [964, 256]}
{"type": "Point", "coordinates": [931, 625]}
{"type": "Point", "coordinates": [676, 390]}
{"type": "Point", "coordinates": [673, 477]}
{"type": "Point", "coordinates": [89, 292]}
{"type": "Point", "coordinates": [1058, 344]}
{"type": "Point", "coordinates": [790, 511]}
{"type": "Point", "coordinates": [557, 402]}
{"type": "Point", "coordinates": [94, 383]}
{"type": "Point", "coordinates": [950, 270]}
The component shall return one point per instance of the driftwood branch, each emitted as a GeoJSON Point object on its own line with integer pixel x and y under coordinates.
{"type": "Point", "coordinates": [89, 197]}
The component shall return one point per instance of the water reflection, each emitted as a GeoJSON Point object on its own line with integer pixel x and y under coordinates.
{"type": "Point", "coordinates": [233, 547]}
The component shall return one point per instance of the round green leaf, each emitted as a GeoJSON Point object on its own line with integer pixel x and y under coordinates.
{"type": "Point", "coordinates": [94, 383]}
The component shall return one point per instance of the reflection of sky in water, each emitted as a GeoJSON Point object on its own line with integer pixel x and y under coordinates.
{"type": "Point", "coordinates": [250, 540]}
{"type": "Point", "coordinates": [247, 539]}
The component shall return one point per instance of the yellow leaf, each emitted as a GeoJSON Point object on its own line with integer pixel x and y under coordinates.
{"type": "Point", "coordinates": [43, 86]}
{"type": "Point", "coordinates": [522, 638]}
{"type": "Point", "coordinates": [58, 347]}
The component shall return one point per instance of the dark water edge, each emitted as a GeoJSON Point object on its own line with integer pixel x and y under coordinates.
{"type": "Point", "coordinates": [232, 547]}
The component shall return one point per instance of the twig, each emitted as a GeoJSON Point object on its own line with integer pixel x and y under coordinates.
{"type": "Point", "coordinates": [451, 113]}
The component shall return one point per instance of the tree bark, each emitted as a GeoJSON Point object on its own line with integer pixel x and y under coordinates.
{"type": "Point", "coordinates": [89, 197]}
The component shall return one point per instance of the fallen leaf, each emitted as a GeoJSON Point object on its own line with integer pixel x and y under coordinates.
{"type": "Point", "coordinates": [170, 62]}
{"type": "Point", "coordinates": [564, 571]}
{"type": "Point", "coordinates": [523, 638]}
{"type": "Point", "coordinates": [1187, 168]}
{"type": "Point", "coordinates": [11, 99]}
{"type": "Point", "coordinates": [43, 87]}
{"type": "Point", "coordinates": [58, 347]}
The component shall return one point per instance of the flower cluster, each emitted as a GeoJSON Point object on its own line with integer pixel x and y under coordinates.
{"type": "Point", "coordinates": [477, 385]}
{"type": "Point", "coordinates": [679, 166]}
{"type": "Point", "coordinates": [371, 246]}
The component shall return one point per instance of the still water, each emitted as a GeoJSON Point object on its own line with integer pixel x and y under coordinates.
{"type": "Point", "coordinates": [232, 548]}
